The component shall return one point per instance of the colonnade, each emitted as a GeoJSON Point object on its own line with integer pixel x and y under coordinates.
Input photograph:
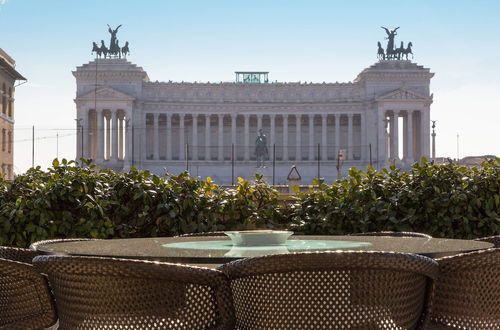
{"type": "Point", "coordinates": [412, 135]}
{"type": "Point", "coordinates": [210, 137]}
{"type": "Point", "coordinates": [173, 136]}
{"type": "Point", "coordinates": [105, 135]}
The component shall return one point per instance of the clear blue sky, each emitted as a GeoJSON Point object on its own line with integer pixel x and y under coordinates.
{"type": "Point", "coordinates": [294, 40]}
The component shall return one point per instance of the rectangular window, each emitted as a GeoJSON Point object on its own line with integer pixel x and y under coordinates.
{"type": "Point", "coordinates": [4, 141]}
{"type": "Point", "coordinates": [10, 142]}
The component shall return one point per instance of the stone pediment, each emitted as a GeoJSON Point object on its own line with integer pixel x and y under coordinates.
{"type": "Point", "coordinates": [108, 94]}
{"type": "Point", "coordinates": [402, 94]}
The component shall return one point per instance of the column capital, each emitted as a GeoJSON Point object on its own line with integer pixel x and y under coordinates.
{"type": "Point", "coordinates": [311, 115]}
{"type": "Point", "coordinates": [182, 115]}
{"type": "Point", "coordinates": [221, 115]}
{"type": "Point", "coordinates": [324, 115]}
{"type": "Point", "coordinates": [350, 115]}
{"type": "Point", "coordinates": [195, 115]}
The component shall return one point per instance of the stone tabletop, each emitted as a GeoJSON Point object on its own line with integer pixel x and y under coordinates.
{"type": "Point", "coordinates": [218, 250]}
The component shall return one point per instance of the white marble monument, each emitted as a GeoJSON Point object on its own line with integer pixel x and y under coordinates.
{"type": "Point", "coordinates": [126, 120]}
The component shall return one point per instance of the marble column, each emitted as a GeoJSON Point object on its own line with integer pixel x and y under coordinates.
{"type": "Point", "coordinates": [107, 121]}
{"type": "Point", "coordinates": [194, 151]}
{"type": "Point", "coordinates": [182, 134]}
{"type": "Point", "coordinates": [207, 137]}
{"type": "Point", "coordinates": [83, 133]}
{"type": "Point", "coordinates": [425, 126]}
{"type": "Point", "coordinates": [100, 136]}
{"type": "Point", "coordinates": [247, 136]}
{"type": "Point", "coordinates": [259, 122]}
{"type": "Point", "coordinates": [298, 137]}
{"type": "Point", "coordinates": [285, 137]}
{"type": "Point", "coordinates": [311, 136]}
{"type": "Point", "coordinates": [156, 137]}
{"type": "Point", "coordinates": [128, 138]}
{"type": "Point", "coordinates": [350, 148]}
{"type": "Point", "coordinates": [409, 136]}
{"type": "Point", "coordinates": [395, 135]}
{"type": "Point", "coordinates": [220, 143]}
{"type": "Point", "coordinates": [143, 133]}
{"type": "Point", "coordinates": [120, 137]}
{"type": "Point", "coordinates": [169, 136]}
{"type": "Point", "coordinates": [233, 132]}
{"type": "Point", "coordinates": [324, 137]}
{"type": "Point", "coordinates": [337, 134]}
{"type": "Point", "coordinates": [364, 147]}
{"type": "Point", "coordinates": [79, 136]}
{"type": "Point", "coordinates": [382, 139]}
{"type": "Point", "coordinates": [114, 149]}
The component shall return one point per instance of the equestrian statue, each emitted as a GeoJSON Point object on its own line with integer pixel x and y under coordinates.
{"type": "Point", "coordinates": [261, 152]}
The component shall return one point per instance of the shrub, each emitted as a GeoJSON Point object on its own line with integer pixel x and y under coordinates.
{"type": "Point", "coordinates": [69, 200]}
{"type": "Point", "coordinates": [441, 200]}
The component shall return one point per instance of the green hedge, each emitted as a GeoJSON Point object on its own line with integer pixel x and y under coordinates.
{"type": "Point", "coordinates": [441, 200]}
{"type": "Point", "coordinates": [86, 201]}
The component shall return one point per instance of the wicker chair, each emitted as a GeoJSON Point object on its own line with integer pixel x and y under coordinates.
{"type": "Point", "coordinates": [105, 293]}
{"type": "Point", "coordinates": [332, 290]}
{"type": "Point", "coordinates": [393, 234]}
{"type": "Point", "coordinates": [17, 254]}
{"type": "Point", "coordinates": [25, 298]}
{"type": "Point", "coordinates": [491, 239]}
{"type": "Point", "coordinates": [467, 293]}
{"type": "Point", "coordinates": [36, 245]}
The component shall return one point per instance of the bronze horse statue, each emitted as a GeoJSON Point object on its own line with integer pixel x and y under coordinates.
{"type": "Point", "coordinates": [104, 49]}
{"type": "Point", "coordinates": [380, 53]}
{"type": "Point", "coordinates": [407, 51]}
{"type": "Point", "coordinates": [125, 50]}
{"type": "Point", "coordinates": [96, 50]}
{"type": "Point", "coordinates": [399, 51]}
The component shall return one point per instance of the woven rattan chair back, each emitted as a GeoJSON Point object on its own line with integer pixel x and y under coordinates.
{"type": "Point", "coordinates": [106, 293]}
{"type": "Point", "coordinates": [17, 254]}
{"type": "Point", "coordinates": [25, 298]}
{"type": "Point", "coordinates": [467, 293]}
{"type": "Point", "coordinates": [491, 239]}
{"type": "Point", "coordinates": [36, 245]}
{"type": "Point", "coordinates": [331, 290]}
{"type": "Point", "coordinates": [393, 234]}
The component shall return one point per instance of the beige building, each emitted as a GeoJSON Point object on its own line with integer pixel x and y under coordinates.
{"type": "Point", "coordinates": [8, 78]}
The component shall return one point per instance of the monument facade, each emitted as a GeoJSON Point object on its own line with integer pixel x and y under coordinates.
{"type": "Point", "coordinates": [217, 129]}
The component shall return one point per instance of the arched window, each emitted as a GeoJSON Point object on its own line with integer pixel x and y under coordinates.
{"type": "Point", "coordinates": [11, 102]}
{"type": "Point", "coordinates": [4, 99]}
